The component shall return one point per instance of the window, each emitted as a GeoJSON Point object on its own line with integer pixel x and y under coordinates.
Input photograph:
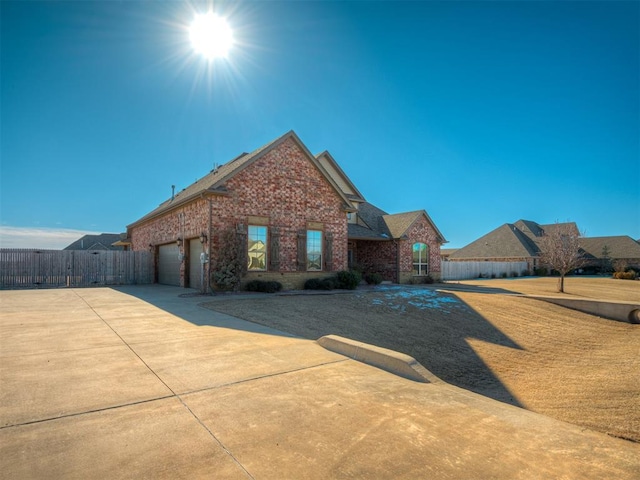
{"type": "Point", "coordinates": [420, 259]}
{"type": "Point", "coordinates": [314, 250]}
{"type": "Point", "coordinates": [257, 247]}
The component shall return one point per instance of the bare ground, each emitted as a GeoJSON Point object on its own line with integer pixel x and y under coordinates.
{"type": "Point", "coordinates": [566, 364]}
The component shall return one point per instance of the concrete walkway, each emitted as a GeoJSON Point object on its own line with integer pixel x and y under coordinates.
{"type": "Point", "coordinates": [139, 382]}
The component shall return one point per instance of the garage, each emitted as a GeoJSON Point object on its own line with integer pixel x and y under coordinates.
{"type": "Point", "coordinates": [169, 265]}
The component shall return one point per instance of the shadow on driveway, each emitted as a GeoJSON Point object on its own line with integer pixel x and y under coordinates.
{"type": "Point", "coordinates": [431, 326]}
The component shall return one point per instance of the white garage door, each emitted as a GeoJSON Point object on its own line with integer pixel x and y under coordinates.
{"type": "Point", "coordinates": [195, 267]}
{"type": "Point", "coordinates": [169, 265]}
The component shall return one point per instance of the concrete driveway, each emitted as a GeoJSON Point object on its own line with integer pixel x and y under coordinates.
{"type": "Point", "coordinates": [139, 382]}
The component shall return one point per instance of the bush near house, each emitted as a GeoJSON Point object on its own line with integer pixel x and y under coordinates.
{"type": "Point", "coordinates": [263, 286]}
{"type": "Point", "coordinates": [345, 279]}
{"type": "Point", "coordinates": [348, 279]}
{"type": "Point", "coordinates": [373, 278]}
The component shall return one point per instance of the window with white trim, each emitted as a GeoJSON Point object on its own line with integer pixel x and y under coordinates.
{"type": "Point", "coordinates": [257, 248]}
{"type": "Point", "coordinates": [420, 259]}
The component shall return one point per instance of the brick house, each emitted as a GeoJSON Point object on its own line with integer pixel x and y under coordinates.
{"type": "Point", "coordinates": [295, 215]}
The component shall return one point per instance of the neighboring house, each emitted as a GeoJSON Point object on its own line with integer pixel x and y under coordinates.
{"type": "Point", "coordinates": [445, 253]}
{"type": "Point", "coordinates": [602, 252]}
{"type": "Point", "coordinates": [104, 241]}
{"type": "Point", "coordinates": [517, 242]}
{"type": "Point", "coordinates": [296, 216]}
{"type": "Point", "coordinates": [511, 242]}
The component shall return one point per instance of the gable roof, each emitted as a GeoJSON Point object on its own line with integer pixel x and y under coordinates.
{"type": "Point", "coordinates": [382, 226]}
{"type": "Point", "coordinates": [103, 241]}
{"type": "Point", "coordinates": [511, 240]}
{"type": "Point", "coordinates": [214, 182]}
{"type": "Point", "coordinates": [506, 241]}
{"type": "Point", "coordinates": [620, 247]}
{"type": "Point", "coordinates": [341, 179]}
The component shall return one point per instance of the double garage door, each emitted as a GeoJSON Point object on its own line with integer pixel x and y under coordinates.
{"type": "Point", "coordinates": [169, 264]}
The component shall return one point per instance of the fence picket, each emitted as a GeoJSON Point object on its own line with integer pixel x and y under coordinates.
{"type": "Point", "coordinates": [28, 268]}
{"type": "Point", "coordinates": [469, 270]}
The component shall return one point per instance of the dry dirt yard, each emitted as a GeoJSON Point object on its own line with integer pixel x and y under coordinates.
{"type": "Point", "coordinates": [562, 363]}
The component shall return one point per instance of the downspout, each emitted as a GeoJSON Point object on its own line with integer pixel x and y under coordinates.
{"type": "Point", "coordinates": [398, 261]}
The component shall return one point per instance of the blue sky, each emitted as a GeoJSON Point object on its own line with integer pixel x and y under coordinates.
{"type": "Point", "coordinates": [481, 113]}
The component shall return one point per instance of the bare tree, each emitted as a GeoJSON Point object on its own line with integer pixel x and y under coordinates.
{"type": "Point", "coordinates": [560, 249]}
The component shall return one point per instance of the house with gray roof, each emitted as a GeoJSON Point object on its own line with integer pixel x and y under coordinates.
{"type": "Point", "coordinates": [518, 242]}
{"type": "Point", "coordinates": [295, 216]}
{"type": "Point", "coordinates": [511, 242]}
{"type": "Point", "coordinates": [602, 252]}
{"type": "Point", "coordinates": [103, 241]}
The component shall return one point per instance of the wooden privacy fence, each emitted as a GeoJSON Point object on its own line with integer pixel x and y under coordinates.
{"type": "Point", "coordinates": [469, 270]}
{"type": "Point", "coordinates": [22, 268]}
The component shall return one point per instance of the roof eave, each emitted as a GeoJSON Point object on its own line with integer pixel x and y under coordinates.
{"type": "Point", "coordinates": [182, 202]}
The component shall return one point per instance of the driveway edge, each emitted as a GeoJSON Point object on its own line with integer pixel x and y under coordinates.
{"type": "Point", "coordinates": [389, 360]}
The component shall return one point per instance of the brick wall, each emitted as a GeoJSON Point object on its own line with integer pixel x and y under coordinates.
{"type": "Point", "coordinates": [378, 257]}
{"type": "Point", "coordinates": [187, 222]}
{"type": "Point", "coordinates": [289, 280]}
{"type": "Point", "coordinates": [381, 256]}
{"type": "Point", "coordinates": [420, 231]}
{"type": "Point", "coordinates": [284, 186]}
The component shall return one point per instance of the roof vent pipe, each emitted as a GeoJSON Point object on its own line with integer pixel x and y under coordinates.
{"type": "Point", "coordinates": [173, 192]}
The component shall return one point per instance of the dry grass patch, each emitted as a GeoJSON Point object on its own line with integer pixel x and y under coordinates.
{"type": "Point", "coordinates": [601, 288]}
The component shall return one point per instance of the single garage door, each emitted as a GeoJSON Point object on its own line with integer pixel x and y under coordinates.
{"type": "Point", "coordinates": [195, 267]}
{"type": "Point", "coordinates": [169, 265]}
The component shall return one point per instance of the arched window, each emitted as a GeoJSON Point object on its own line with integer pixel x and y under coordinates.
{"type": "Point", "coordinates": [420, 259]}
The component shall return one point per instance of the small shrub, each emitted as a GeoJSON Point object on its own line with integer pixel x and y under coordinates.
{"type": "Point", "coordinates": [328, 284]}
{"type": "Point", "coordinates": [514, 274]}
{"type": "Point", "coordinates": [428, 279]}
{"type": "Point", "coordinates": [630, 275]}
{"type": "Point", "coordinates": [373, 278]}
{"type": "Point", "coordinates": [503, 274]}
{"type": "Point", "coordinates": [541, 272]}
{"type": "Point", "coordinates": [526, 273]}
{"type": "Point", "coordinates": [263, 286]}
{"type": "Point", "coordinates": [348, 280]}
{"type": "Point", "coordinates": [312, 284]}
{"type": "Point", "coordinates": [493, 275]}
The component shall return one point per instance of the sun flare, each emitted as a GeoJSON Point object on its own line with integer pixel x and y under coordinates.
{"type": "Point", "coordinates": [211, 35]}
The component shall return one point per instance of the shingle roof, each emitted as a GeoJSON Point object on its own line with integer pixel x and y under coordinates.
{"type": "Point", "coordinates": [359, 232]}
{"type": "Point", "coordinates": [399, 223]}
{"type": "Point", "coordinates": [511, 240]}
{"type": "Point", "coordinates": [213, 182]}
{"type": "Point", "coordinates": [372, 216]}
{"type": "Point", "coordinates": [620, 247]}
{"type": "Point", "coordinates": [506, 241]}
{"type": "Point", "coordinates": [103, 241]}
{"type": "Point", "coordinates": [381, 225]}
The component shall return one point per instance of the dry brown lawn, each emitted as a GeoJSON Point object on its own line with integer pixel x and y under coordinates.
{"type": "Point", "coordinates": [576, 287]}
{"type": "Point", "coordinates": [566, 364]}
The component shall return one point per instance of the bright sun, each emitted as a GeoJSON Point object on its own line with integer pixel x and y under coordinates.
{"type": "Point", "coordinates": [211, 35]}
